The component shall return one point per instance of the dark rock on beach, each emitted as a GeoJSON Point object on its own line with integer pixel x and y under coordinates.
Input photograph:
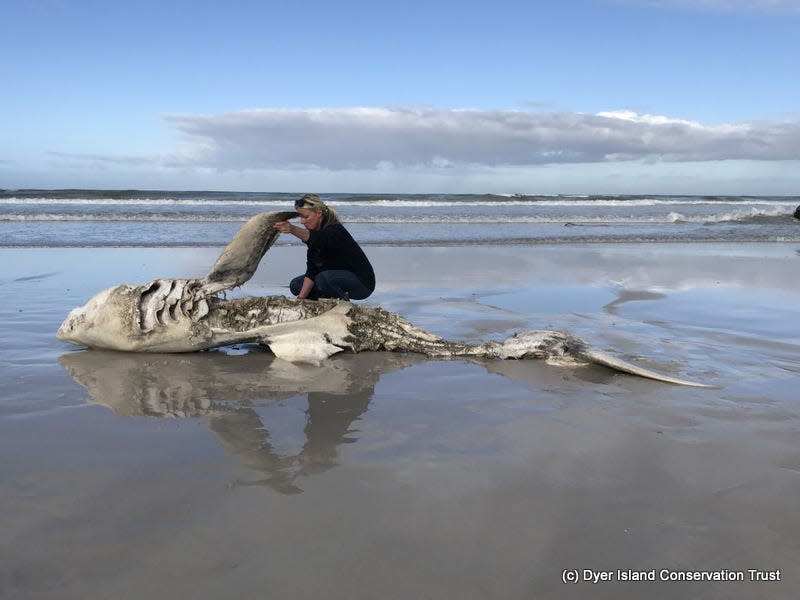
{"type": "Point", "coordinates": [797, 213]}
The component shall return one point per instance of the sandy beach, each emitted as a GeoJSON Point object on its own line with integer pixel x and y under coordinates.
{"type": "Point", "coordinates": [236, 474]}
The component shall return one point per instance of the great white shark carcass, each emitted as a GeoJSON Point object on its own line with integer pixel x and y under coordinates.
{"type": "Point", "coordinates": [188, 315]}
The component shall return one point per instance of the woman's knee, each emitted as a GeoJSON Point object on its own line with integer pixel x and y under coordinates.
{"type": "Point", "coordinates": [296, 284]}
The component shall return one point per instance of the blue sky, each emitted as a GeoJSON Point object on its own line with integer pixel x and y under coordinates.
{"type": "Point", "coordinates": [586, 96]}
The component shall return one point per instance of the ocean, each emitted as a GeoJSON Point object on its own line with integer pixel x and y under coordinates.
{"type": "Point", "coordinates": [133, 218]}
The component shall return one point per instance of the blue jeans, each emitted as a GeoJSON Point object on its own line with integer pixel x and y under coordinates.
{"type": "Point", "coordinates": [333, 284]}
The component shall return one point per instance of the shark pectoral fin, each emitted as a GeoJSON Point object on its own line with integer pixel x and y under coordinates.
{"type": "Point", "coordinates": [240, 258]}
{"type": "Point", "coordinates": [601, 358]}
{"type": "Point", "coordinates": [302, 346]}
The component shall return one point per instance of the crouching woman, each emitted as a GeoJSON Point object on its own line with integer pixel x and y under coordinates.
{"type": "Point", "coordinates": [336, 266]}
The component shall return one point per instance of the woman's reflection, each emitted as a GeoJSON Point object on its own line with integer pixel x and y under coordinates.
{"type": "Point", "coordinates": [226, 392]}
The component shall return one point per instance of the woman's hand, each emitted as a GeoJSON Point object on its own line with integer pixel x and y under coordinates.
{"type": "Point", "coordinates": [308, 284]}
{"type": "Point", "coordinates": [298, 232]}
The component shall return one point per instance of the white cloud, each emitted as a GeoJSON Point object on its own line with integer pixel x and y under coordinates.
{"type": "Point", "coordinates": [368, 138]}
{"type": "Point", "coordinates": [103, 159]}
{"type": "Point", "coordinates": [629, 115]}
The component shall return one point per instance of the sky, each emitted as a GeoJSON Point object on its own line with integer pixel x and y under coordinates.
{"type": "Point", "coordinates": [534, 97]}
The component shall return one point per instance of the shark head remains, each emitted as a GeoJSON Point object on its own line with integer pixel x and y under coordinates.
{"type": "Point", "coordinates": [187, 315]}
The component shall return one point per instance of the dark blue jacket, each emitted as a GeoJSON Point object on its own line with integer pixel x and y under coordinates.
{"type": "Point", "coordinates": [333, 248]}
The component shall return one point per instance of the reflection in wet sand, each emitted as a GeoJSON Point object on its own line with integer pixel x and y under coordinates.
{"type": "Point", "coordinates": [624, 296]}
{"type": "Point", "coordinates": [230, 394]}
{"type": "Point", "coordinates": [226, 392]}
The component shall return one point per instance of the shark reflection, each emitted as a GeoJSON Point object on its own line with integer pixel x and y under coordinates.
{"type": "Point", "coordinates": [227, 391]}
{"type": "Point", "coordinates": [625, 296]}
{"type": "Point", "coordinates": [232, 394]}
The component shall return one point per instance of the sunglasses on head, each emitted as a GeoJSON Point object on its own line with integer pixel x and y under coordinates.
{"type": "Point", "coordinates": [300, 203]}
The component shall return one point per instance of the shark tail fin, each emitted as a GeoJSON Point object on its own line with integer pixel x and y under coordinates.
{"type": "Point", "coordinates": [601, 358]}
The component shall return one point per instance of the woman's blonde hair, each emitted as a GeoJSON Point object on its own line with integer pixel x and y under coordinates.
{"type": "Point", "coordinates": [312, 201]}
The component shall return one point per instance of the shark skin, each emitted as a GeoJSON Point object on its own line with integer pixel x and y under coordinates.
{"type": "Point", "coordinates": [186, 315]}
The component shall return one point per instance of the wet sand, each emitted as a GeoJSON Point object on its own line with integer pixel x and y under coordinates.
{"type": "Point", "coordinates": [234, 474]}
